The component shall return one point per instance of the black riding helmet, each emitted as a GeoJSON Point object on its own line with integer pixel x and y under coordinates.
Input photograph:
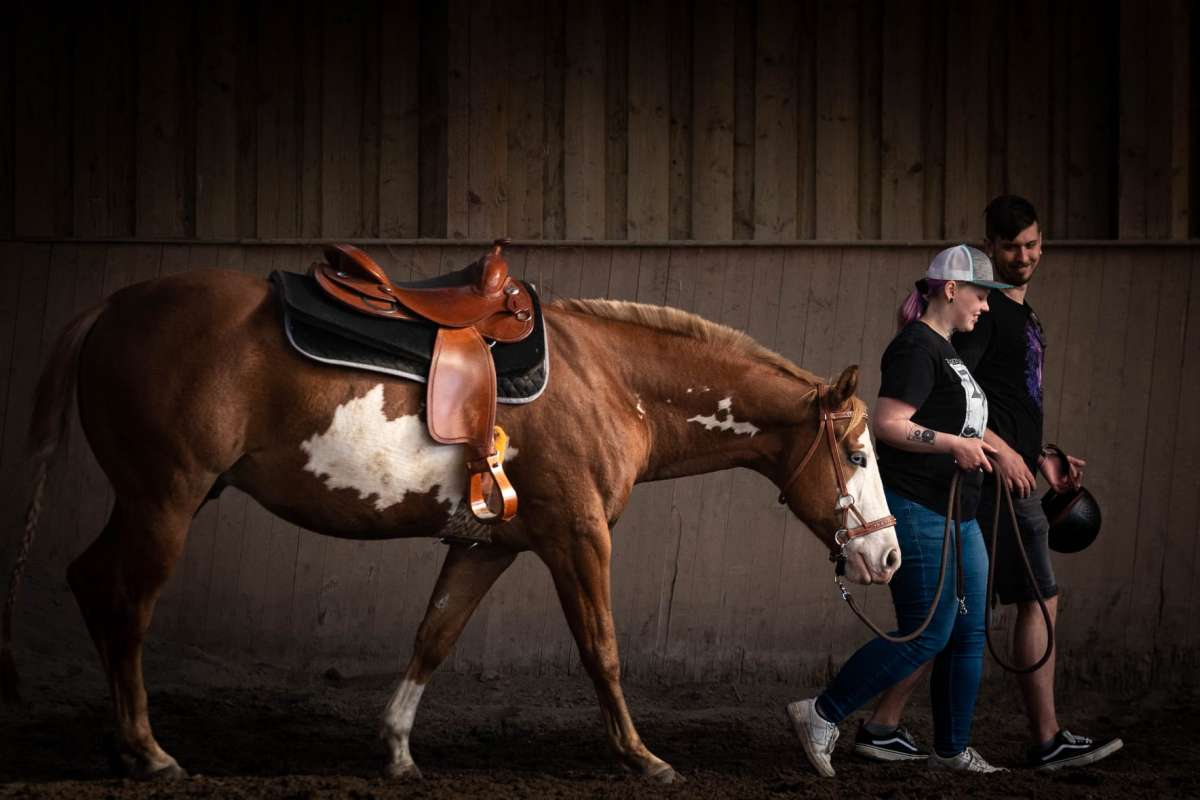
{"type": "Point", "coordinates": [1074, 516]}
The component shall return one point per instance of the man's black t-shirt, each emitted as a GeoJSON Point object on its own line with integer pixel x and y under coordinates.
{"type": "Point", "coordinates": [1006, 352]}
{"type": "Point", "coordinates": [922, 369]}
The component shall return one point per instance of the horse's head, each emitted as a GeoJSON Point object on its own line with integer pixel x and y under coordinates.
{"type": "Point", "coordinates": [830, 480]}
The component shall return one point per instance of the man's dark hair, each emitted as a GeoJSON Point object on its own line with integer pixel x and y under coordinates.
{"type": "Point", "coordinates": [1008, 215]}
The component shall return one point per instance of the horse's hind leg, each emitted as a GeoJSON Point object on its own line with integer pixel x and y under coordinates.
{"type": "Point", "coordinates": [467, 574]}
{"type": "Point", "coordinates": [116, 582]}
{"type": "Point", "coordinates": [580, 568]}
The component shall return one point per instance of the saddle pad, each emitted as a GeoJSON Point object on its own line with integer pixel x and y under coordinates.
{"type": "Point", "coordinates": [326, 331]}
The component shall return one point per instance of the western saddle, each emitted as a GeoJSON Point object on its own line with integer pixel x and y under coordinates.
{"type": "Point", "coordinates": [481, 300]}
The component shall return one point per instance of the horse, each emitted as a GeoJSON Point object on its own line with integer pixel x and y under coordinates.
{"type": "Point", "coordinates": [186, 384]}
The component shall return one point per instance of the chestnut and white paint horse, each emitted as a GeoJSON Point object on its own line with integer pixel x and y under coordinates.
{"type": "Point", "coordinates": [186, 383]}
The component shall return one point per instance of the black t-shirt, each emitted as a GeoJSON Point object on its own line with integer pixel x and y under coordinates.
{"type": "Point", "coordinates": [922, 369]}
{"type": "Point", "coordinates": [1006, 353]}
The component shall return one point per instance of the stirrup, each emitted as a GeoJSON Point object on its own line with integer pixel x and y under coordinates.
{"type": "Point", "coordinates": [492, 467]}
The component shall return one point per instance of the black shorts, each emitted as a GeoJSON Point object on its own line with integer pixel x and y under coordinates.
{"type": "Point", "coordinates": [1011, 581]}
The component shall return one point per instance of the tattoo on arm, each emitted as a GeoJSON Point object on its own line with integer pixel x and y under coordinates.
{"type": "Point", "coordinates": [921, 435]}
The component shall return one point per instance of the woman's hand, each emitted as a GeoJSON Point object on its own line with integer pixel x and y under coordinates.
{"type": "Point", "coordinates": [971, 454]}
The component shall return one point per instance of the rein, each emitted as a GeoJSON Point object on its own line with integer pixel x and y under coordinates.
{"type": "Point", "coordinates": [954, 511]}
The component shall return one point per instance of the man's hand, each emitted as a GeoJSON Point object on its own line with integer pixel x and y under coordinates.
{"type": "Point", "coordinates": [1060, 480]}
{"type": "Point", "coordinates": [1011, 467]}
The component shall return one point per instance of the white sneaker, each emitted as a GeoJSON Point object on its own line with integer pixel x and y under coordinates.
{"type": "Point", "coordinates": [968, 760]}
{"type": "Point", "coordinates": [816, 734]}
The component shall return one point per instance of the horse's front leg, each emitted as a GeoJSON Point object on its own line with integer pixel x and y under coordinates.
{"type": "Point", "coordinates": [467, 574]}
{"type": "Point", "coordinates": [580, 568]}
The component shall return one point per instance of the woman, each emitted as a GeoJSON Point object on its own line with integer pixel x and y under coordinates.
{"type": "Point", "coordinates": [929, 422]}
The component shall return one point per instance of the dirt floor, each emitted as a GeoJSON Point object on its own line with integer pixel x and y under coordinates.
{"type": "Point", "coordinates": [255, 732]}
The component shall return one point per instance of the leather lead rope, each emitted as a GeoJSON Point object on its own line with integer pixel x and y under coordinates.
{"type": "Point", "coordinates": [1037, 592]}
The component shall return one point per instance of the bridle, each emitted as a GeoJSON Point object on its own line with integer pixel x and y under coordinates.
{"type": "Point", "coordinates": [845, 501]}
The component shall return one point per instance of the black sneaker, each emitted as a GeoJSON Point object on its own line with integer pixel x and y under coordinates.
{"type": "Point", "coordinates": [1069, 750]}
{"type": "Point", "coordinates": [898, 745]}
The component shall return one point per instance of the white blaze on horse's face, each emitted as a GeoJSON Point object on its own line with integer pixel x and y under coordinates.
{"type": "Point", "coordinates": [386, 458]}
{"type": "Point", "coordinates": [878, 551]}
{"type": "Point", "coordinates": [723, 420]}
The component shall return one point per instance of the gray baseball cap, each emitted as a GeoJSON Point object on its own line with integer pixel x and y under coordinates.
{"type": "Point", "coordinates": [963, 263]}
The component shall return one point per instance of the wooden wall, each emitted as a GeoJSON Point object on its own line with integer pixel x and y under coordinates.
{"type": "Point", "coordinates": [712, 579]}
{"type": "Point", "coordinates": [658, 119]}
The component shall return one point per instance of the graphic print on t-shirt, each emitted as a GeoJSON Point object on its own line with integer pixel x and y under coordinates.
{"type": "Point", "coordinates": [975, 420]}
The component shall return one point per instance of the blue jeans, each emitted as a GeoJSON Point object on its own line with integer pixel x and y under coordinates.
{"type": "Point", "coordinates": [954, 641]}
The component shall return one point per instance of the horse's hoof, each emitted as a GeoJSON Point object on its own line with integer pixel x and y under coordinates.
{"type": "Point", "coordinates": [665, 774]}
{"type": "Point", "coordinates": [171, 772]}
{"type": "Point", "coordinates": [403, 772]}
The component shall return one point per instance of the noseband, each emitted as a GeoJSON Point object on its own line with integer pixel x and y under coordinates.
{"type": "Point", "coordinates": [845, 501]}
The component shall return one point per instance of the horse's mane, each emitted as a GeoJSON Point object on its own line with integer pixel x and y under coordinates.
{"type": "Point", "coordinates": [684, 323]}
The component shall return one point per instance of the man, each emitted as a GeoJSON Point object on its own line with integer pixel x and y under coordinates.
{"type": "Point", "coordinates": [1005, 352]}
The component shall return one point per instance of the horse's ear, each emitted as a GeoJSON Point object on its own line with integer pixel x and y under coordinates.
{"type": "Point", "coordinates": [843, 388]}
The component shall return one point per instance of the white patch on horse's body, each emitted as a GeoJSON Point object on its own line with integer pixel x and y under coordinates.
{"type": "Point", "coordinates": [440, 603]}
{"type": "Point", "coordinates": [386, 458]}
{"type": "Point", "coordinates": [398, 721]}
{"type": "Point", "coordinates": [641, 412]}
{"type": "Point", "coordinates": [723, 420]}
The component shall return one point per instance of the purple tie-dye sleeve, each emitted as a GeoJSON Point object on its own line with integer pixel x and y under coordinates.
{"type": "Point", "coordinates": [1035, 355]}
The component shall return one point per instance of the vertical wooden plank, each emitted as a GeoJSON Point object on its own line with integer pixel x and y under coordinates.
{"type": "Point", "coordinates": [777, 149]}
{"type": "Point", "coordinates": [713, 91]}
{"type": "Point", "coordinates": [997, 117]}
{"type": "Point", "coordinates": [679, 48]}
{"type": "Point", "coordinates": [166, 184]}
{"type": "Point", "coordinates": [311, 112]}
{"type": "Point", "coordinates": [458, 115]}
{"type": "Point", "coordinates": [279, 125]}
{"type": "Point", "coordinates": [902, 200]}
{"type": "Point", "coordinates": [1091, 182]}
{"type": "Point", "coordinates": [649, 201]}
{"type": "Point", "coordinates": [745, 31]}
{"type": "Point", "coordinates": [1166, 159]}
{"type": "Point", "coordinates": [837, 107]}
{"type": "Point", "coordinates": [1052, 301]}
{"type": "Point", "coordinates": [102, 117]}
{"type": "Point", "coordinates": [434, 119]}
{"type": "Point", "coordinates": [1180, 564]}
{"type": "Point", "coordinates": [1059, 122]}
{"type": "Point", "coordinates": [341, 123]}
{"type": "Point", "coordinates": [934, 103]}
{"type": "Point", "coordinates": [42, 104]}
{"type": "Point", "coordinates": [399, 141]}
{"type": "Point", "coordinates": [1131, 175]}
{"type": "Point", "coordinates": [554, 209]}
{"type": "Point", "coordinates": [217, 27]}
{"type": "Point", "coordinates": [616, 92]}
{"type": "Point", "coordinates": [487, 183]}
{"type": "Point", "coordinates": [869, 109]}
{"type": "Point", "coordinates": [23, 364]}
{"type": "Point", "coordinates": [526, 131]}
{"type": "Point", "coordinates": [369, 42]}
{"type": "Point", "coordinates": [1182, 103]}
{"type": "Point", "coordinates": [966, 68]}
{"type": "Point", "coordinates": [7, 132]}
{"type": "Point", "coordinates": [805, 103]}
{"type": "Point", "coordinates": [583, 120]}
{"type": "Point", "coordinates": [1153, 534]}
{"type": "Point", "coordinates": [1028, 120]}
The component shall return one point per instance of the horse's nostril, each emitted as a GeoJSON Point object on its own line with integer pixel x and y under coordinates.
{"type": "Point", "coordinates": [892, 559]}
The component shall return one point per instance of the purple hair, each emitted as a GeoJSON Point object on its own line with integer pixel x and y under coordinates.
{"type": "Point", "coordinates": [917, 301]}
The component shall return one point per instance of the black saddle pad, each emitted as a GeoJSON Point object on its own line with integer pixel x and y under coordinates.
{"type": "Point", "coordinates": [324, 330]}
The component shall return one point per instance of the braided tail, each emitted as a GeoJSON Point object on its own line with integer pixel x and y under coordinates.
{"type": "Point", "coordinates": [51, 418]}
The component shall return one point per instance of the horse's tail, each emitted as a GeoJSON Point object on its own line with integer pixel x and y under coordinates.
{"type": "Point", "coordinates": [51, 418]}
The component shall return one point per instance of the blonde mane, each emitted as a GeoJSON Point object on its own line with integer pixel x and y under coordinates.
{"type": "Point", "coordinates": [683, 323]}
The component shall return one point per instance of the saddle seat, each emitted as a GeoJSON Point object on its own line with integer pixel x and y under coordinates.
{"type": "Point", "coordinates": [478, 301]}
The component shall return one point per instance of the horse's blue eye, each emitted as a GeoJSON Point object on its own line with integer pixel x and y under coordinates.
{"type": "Point", "coordinates": [858, 458]}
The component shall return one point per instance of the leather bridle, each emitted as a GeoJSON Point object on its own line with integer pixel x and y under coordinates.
{"type": "Point", "coordinates": [845, 501]}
